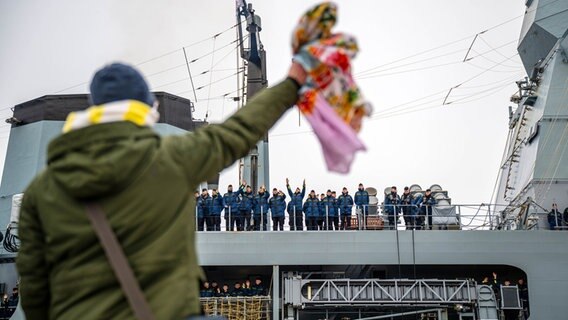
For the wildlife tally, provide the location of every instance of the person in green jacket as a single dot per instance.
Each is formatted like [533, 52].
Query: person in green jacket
[110, 155]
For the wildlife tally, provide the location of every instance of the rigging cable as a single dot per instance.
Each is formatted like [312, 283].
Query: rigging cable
[379, 73]
[402, 112]
[393, 110]
[499, 171]
[430, 107]
[552, 125]
[491, 47]
[186, 46]
[217, 81]
[157, 57]
[411, 63]
[562, 142]
[189, 72]
[210, 79]
[190, 62]
[383, 114]
[455, 41]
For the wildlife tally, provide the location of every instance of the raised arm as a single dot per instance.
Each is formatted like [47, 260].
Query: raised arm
[241, 189]
[290, 193]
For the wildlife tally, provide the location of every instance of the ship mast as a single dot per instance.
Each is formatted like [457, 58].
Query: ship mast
[254, 168]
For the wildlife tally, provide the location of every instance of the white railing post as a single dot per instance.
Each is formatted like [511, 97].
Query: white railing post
[459, 218]
[295, 218]
[230, 224]
[326, 217]
[395, 217]
[365, 213]
[426, 220]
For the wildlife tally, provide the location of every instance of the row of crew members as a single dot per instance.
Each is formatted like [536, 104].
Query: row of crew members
[332, 212]
[323, 213]
[415, 209]
[326, 212]
[245, 289]
[239, 206]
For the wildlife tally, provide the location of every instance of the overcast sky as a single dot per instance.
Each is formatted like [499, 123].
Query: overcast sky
[54, 47]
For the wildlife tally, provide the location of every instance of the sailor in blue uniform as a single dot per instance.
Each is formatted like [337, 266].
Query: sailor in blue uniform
[392, 207]
[261, 209]
[277, 205]
[425, 205]
[321, 217]
[555, 218]
[406, 201]
[245, 208]
[231, 204]
[362, 203]
[329, 205]
[345, 205]
[202, 210]
[215, 206]
[295, 214]
[311, 208]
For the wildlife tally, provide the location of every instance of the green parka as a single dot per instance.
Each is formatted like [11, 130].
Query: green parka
[145, 185]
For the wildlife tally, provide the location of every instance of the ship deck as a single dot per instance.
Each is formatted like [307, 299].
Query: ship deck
[541, 254]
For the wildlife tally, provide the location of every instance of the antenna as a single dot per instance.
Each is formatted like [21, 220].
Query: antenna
[190, 77]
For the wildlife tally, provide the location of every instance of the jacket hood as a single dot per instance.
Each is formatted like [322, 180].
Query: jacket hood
[102, 159]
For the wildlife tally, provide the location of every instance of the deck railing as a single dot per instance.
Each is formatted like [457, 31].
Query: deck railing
[363, 218]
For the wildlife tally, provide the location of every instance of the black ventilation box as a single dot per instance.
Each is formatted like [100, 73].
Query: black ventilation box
[510, 298]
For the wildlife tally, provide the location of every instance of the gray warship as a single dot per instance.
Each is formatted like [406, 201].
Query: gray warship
[370, 272]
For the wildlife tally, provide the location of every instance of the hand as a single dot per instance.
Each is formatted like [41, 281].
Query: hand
[287, 181]
[244, 183]
[304, 182]
[297, 73]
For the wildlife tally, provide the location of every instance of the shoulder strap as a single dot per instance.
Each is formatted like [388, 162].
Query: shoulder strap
[119, 264]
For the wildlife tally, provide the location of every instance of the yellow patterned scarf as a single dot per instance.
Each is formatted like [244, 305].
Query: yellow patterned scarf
[134, 111]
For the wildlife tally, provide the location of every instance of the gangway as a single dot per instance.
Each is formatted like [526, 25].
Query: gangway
[405, 294]
[373, 292]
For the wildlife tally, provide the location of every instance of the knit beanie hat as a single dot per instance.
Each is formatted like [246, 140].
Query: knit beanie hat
[117, 82]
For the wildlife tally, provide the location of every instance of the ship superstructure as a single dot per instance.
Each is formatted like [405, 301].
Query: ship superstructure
[534, 171]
